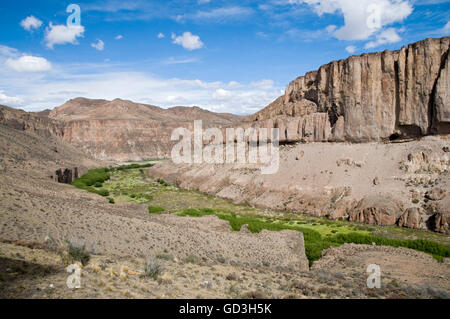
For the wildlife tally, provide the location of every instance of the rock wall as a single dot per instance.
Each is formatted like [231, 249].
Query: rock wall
[370, 97]
[23, 121]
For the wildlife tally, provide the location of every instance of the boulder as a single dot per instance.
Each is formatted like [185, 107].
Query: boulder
[440, 222]
[383, 211]
[411, 218]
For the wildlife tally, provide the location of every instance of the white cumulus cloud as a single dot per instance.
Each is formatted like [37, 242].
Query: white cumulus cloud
[30, 23]
[161, 35]
[385, 37]
[63, 34]
[362, 18]
[28, 63]
[99, 45]
[446, 28]
[188, 41]
[119, 37]
[10, 100]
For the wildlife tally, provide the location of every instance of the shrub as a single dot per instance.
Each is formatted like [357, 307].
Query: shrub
[102, 192]
[132, 166]
[78, 253]
[153, 268]
[162, 182]
[163, 256]
[155, 210]
[93, 178]
[111, 200]
[191, 260]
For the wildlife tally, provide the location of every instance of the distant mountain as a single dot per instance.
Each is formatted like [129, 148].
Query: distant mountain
[122, 130]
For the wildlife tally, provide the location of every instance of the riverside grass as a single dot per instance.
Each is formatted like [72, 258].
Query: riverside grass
[93, 180]
[126, 183]
[315, 243]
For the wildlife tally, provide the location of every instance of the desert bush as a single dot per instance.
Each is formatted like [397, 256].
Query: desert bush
[191, 260]
[153, 268]
[78, 253]
[111, 200]
[163, 256]
[255, 294]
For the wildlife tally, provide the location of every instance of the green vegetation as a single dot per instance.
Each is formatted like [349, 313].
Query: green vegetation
[130, 184]
[162, 182]
[132, 166]
[315, 243]
[155, 210]
[95, 178]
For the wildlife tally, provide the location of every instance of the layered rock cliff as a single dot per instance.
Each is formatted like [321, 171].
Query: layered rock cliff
[121, 130]
[24, 121]
[370, 97]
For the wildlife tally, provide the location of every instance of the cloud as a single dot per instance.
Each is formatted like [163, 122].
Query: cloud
[203, 1]
[30, 23]
[188, 41]
[62, 34]
[362, 18]
[217, 15]
[99, 45]
[39, 92]
[172, 60]
[10, 100]
[351, 49]
[28, 63]
[161, 35]
[119, 37]
[387, 36]
[446, 28]
[8, 51]
[263, 84]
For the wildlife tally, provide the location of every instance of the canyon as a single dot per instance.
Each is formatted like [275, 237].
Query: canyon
[364, 165]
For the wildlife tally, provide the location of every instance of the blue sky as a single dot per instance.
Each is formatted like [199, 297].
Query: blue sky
[225, 56]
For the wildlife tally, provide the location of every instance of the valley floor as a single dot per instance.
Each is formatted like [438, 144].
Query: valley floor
[200, 257]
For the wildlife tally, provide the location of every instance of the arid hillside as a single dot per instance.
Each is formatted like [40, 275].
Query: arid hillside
[121, 130]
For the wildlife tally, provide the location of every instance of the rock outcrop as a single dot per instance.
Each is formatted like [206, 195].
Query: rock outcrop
[371, 97]
[66, 175]
[29, 122]
[377, 211]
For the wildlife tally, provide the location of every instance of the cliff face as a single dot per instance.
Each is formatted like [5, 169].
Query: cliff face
[370, 97]
[23, 121]
[121, 130]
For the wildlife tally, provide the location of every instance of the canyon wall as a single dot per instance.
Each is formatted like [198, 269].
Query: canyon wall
[121, 130]
[371, 97]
